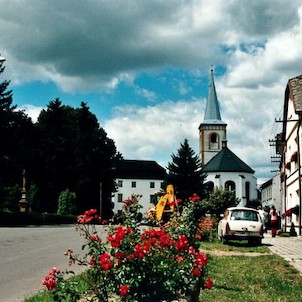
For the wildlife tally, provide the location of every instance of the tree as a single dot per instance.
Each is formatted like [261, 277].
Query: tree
[184, 172]
[67, 203]
[17, 139]
[219, 200]
[74, 153]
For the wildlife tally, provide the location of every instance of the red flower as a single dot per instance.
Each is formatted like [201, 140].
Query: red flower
[124, 290]
[142, 250]
[95, 238]
[50, 281]
[165, 240]
[194, 198]
[105, 262]
[120, 233]
[196, 272]
[183, 243]
[200, 259]
[89, 216]
[209, 283]
[120, 255]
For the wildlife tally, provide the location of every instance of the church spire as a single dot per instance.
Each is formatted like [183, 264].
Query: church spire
[212, 112]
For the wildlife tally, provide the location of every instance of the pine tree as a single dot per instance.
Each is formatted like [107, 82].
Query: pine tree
[184, 172]
[16, 140]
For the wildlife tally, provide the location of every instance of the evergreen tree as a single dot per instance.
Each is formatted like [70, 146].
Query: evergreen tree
[75, 153]
[16, 132]
[184, 172]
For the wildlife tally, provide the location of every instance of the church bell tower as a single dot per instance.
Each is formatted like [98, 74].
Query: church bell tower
[212, 131]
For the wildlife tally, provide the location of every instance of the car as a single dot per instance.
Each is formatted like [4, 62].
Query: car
[241, 223]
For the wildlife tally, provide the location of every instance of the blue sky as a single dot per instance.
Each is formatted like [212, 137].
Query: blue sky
[143, 67]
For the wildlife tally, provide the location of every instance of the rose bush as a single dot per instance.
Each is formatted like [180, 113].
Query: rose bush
[142, 264]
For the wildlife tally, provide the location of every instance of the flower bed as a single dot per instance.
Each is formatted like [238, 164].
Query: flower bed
[161, 263]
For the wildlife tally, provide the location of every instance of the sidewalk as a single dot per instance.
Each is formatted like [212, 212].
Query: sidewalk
[290, 248]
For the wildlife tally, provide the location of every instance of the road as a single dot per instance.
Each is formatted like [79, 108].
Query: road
[27, 254]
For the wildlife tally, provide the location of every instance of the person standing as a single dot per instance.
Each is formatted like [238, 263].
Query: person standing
[273, 220]
[263, 216]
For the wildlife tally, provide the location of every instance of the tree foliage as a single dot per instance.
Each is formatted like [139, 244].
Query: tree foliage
[17, 137]
[219, 200]
[184, 172]
[66, 148]
[67, 203]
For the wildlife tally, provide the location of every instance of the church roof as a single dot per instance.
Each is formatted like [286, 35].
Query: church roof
[212, 112]
[226, 161]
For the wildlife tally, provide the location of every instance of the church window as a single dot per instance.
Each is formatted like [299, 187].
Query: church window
[247, 191]
[230, 186]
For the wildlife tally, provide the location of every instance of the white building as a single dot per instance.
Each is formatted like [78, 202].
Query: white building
[141, 177]
[270, 193]
[222, 167]
[290, 145]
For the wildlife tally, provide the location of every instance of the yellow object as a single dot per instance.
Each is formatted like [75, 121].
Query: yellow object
[166, 203]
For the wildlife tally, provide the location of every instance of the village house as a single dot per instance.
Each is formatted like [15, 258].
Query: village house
[289, 144]
[141, 177]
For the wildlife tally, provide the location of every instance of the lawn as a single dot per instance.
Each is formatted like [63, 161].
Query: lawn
[254, 275]
[242, 273]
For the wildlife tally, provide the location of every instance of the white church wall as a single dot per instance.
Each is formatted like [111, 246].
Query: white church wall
[240, 179]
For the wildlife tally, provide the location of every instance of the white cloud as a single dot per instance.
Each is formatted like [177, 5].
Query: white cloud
[99, 45]
[32, 111]
[155, 131]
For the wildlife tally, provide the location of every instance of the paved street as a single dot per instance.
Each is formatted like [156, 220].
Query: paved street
[27, 255]
[290, 248]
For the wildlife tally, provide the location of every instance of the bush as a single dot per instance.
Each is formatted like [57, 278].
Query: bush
[67, 203]
[155, 264]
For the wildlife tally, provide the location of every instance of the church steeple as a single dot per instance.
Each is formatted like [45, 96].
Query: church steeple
[212, 112]
[212, 131]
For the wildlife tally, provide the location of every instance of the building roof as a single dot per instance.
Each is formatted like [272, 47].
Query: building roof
[139, 169]
[266, 184]
[226, 161]
[212, 112]
[295, 86]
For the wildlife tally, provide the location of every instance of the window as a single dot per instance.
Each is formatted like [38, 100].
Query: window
[120, 198]
[247, 191]
[214, 141]
[152, 185]
[133, 184]
[230, 186]
[213, 138]
[120, 183]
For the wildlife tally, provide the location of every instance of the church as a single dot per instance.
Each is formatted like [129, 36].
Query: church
[223, 168]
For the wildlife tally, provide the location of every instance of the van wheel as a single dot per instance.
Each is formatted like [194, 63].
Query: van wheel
[224, 240]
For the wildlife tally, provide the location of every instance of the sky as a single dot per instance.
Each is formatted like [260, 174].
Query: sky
[143, 68]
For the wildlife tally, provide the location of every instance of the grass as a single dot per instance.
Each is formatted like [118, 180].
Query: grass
[264, 278]
[244, 278]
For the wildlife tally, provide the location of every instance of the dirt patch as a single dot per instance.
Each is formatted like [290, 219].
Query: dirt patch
[234, 253]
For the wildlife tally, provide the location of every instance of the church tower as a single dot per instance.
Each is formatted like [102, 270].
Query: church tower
[212, 131]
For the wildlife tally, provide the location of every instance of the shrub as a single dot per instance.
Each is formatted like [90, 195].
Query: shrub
[134, 264]
[67, 203]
